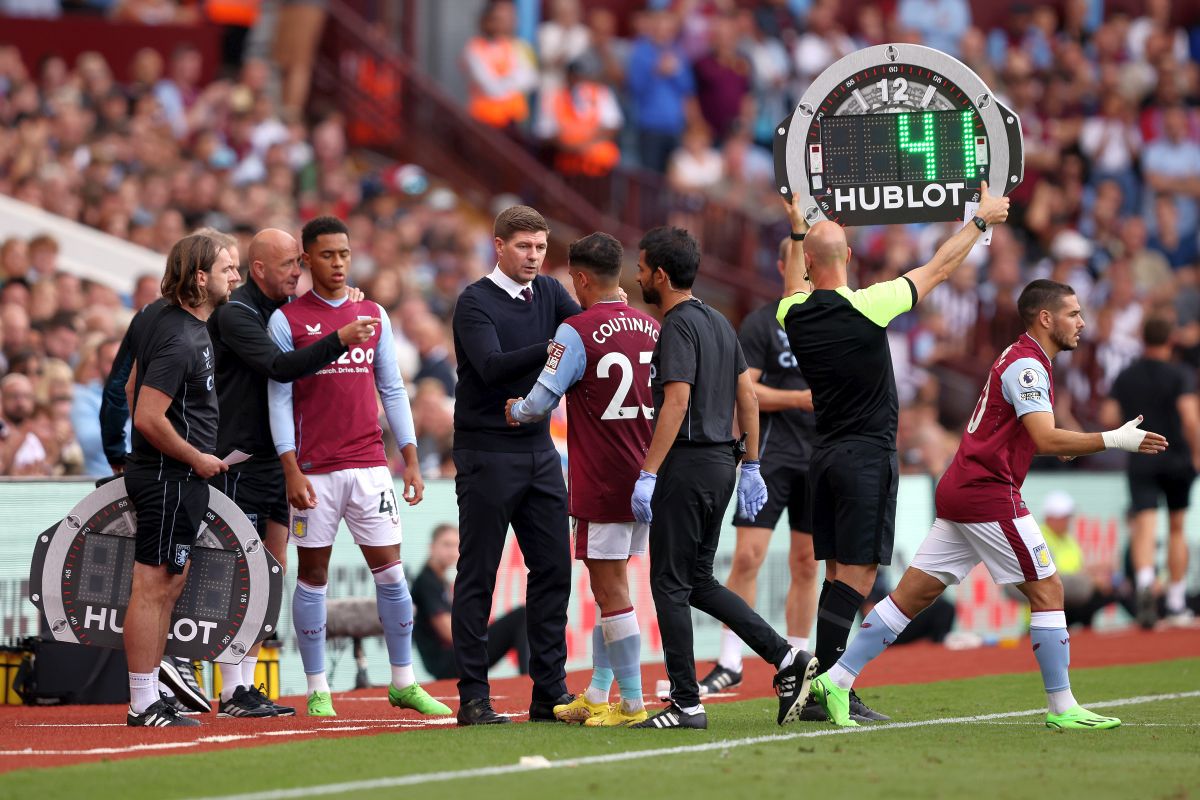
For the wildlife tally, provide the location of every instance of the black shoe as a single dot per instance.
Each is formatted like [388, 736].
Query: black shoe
[1147, 608]
[179, 676]
[159, 715]
[170, 700]
[719, 679]
[245, 704]
[479, 712]
[258, 694]
[861, 712]
[543, 710]
[673, 717]
[791, 684]
[811, 711]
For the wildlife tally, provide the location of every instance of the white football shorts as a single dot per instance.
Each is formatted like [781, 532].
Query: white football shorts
[1012, 550]
[364, 497]
[609, 541]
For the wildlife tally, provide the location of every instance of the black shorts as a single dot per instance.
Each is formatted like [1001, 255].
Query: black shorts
[787, 487]
[261, 494]
[1174, 483]
[169, 515]
[853, 489]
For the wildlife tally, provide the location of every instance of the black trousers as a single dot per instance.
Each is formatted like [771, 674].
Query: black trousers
[527, 491]
[505, 634]
[691, 495]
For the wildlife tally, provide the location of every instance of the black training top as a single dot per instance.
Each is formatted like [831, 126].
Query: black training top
[784, 437]
[501, 342]
[246, 357]
[697, 346]
[431, 596]
[114, 408]
[176, 358]
[839, 337]
[1152, 388]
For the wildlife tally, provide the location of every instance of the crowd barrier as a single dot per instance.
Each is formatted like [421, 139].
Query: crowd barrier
[28, 507]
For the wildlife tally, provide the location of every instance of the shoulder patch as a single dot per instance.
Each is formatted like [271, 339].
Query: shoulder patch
[555, 352]
[1028, 377]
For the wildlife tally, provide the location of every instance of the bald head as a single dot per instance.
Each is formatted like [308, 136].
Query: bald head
[275, 263]
[18, 398]
[826, 254]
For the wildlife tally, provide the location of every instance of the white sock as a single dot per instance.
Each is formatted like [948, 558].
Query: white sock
[403, 676]
[1145, 578]
[231, 679]
[595, 696]
[787, 659]
[731, 651]
[317, 682]
[841, 677]
[1176, 597]
[798, 642]
[143, 691]
[248, 665]
[1060, 701]
[631, 705]
[690, 710]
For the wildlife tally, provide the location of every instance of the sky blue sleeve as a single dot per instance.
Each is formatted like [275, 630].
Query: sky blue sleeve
[279, 395]
[564, 367]
[391, 387]
[1026, 386]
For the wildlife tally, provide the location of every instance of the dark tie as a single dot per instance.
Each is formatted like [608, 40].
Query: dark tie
[527, 294]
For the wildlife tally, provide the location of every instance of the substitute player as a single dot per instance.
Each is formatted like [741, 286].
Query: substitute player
[981, 516]
[327, 434]
[786, 428]
[600, 360]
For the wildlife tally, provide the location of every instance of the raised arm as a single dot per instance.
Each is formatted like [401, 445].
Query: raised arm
[242, 329]
[795, 275]
[993, 211]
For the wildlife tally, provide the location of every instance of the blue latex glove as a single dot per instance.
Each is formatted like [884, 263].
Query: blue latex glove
[751, 491]
[643, 490]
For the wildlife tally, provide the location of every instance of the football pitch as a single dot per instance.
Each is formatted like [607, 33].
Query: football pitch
[972, 737]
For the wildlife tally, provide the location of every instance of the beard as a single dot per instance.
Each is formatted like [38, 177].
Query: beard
[651, 296]
[1063, 341]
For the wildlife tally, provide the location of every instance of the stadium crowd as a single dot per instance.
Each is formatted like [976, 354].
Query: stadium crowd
[1110, 201]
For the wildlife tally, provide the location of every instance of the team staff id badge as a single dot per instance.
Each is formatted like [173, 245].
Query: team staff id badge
[894, 134]
[82, 572]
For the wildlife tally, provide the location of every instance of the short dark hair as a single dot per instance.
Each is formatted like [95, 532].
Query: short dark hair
[1041, 294]
[675, 252]
[1157, 331]
[518, 218]
[316, 228]
[441, 530]
[597, 252]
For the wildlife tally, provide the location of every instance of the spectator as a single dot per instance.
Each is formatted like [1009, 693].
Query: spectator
[93, 371]
[25, 449]
[1087, 588]
[561, 40]
[723, 81]
[662, 88]
[582, 120]
[821, 45]
[1172, 165]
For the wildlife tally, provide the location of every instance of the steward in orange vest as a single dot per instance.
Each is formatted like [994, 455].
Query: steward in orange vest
[582, 119]
[501, 69]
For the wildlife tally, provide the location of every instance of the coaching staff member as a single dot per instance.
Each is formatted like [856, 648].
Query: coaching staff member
[697, 376]
[246, 357]
[174, 437]
[839, 336]
[503, 324]
[1165, 394]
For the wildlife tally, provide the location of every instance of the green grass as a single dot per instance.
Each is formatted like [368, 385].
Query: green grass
[1155, 755]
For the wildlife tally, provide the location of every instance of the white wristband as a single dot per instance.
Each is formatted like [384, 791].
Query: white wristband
[1128, 437]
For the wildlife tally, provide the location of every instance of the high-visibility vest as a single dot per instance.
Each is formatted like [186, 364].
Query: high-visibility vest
[500, 56]
[243, 13]
[577, 126]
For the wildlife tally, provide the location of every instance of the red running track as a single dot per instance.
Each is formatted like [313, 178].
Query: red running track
[53, 736]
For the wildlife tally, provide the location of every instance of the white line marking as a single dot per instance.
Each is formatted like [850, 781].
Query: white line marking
[71, 725]
[632, 755]
[99, 751]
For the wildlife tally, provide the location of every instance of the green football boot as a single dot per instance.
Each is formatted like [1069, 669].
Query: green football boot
[418, 700]
[320, 704]
[834, 700]
[1078, 718]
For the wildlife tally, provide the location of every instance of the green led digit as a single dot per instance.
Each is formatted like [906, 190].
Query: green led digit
[968, 140]
[926, 147]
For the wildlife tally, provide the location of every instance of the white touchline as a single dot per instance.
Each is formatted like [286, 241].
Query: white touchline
[632, 755]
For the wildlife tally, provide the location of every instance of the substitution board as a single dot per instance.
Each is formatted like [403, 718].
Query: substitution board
[894, 134]
[82, 572]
